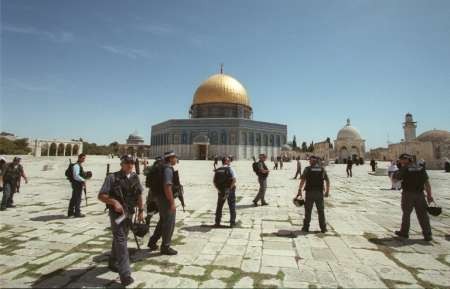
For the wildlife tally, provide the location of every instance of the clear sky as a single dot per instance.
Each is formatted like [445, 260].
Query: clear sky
[101, 69]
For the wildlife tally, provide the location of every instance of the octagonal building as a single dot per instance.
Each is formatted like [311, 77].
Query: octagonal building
[220, 124]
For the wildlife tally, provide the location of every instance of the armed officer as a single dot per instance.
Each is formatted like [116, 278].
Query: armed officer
[12, 174]
[262, 173]
[122, 193]
[414, 181]
[152, 207]
[165, 200]
[312, 180]
[225, 183]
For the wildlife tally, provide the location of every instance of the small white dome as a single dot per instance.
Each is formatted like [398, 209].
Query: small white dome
[348, 132]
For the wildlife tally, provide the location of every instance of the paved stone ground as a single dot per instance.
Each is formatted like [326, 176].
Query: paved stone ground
[40, 247]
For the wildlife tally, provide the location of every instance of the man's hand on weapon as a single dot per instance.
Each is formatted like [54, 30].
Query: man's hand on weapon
[118, 208]
[141, 216]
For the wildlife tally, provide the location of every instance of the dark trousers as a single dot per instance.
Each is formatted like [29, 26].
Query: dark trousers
[166, 224]
[298, 173]
[9, 188]
[373, 168]
[75, 201]
[262, 190]
[349, 171]
[415, 201]
[230, 196]
[119, 257]
[311, 198]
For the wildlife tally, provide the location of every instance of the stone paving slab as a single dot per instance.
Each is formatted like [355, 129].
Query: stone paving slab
[41, 247]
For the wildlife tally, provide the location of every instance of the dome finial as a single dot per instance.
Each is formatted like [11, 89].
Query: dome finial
[348, 121]
[221, 68]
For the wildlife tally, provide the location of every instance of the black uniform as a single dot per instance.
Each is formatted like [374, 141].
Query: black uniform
[127, 190]
[349, 168]
[314, 187]
[11, 177]
[413, 180]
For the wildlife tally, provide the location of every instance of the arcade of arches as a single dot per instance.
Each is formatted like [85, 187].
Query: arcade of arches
[57, 148]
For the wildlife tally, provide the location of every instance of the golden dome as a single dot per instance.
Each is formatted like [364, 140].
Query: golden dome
[221, 88]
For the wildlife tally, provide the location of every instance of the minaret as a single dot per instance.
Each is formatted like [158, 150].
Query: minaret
[409, 127]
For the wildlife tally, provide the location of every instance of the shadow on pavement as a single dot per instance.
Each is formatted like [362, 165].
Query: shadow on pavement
[203, 228]
[245, 206]
[398, 242]
[49, 218]
[88, 277]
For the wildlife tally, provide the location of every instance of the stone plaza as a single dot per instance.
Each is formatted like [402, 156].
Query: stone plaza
[41, 247]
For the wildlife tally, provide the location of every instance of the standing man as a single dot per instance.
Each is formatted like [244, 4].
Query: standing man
[414, 181]
[298, 172]
[262, 173]
[12, 174]
[78, 183]
[349, 167]
[225, 183]
[373, 164]
[166, 205]
[2, 170]
[312, 180]
[122, 193]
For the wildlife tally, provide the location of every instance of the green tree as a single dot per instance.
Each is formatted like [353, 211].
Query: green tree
[14, 147]
[304, 147]
[294, 143]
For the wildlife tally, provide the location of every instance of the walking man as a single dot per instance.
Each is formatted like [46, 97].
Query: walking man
[225, 183]
[164, 197]
[414, 181]
[298, 172]
[78, 182]
[349, 167]
[262, 173]
[312, 181]
[122, 193]
[12, 174]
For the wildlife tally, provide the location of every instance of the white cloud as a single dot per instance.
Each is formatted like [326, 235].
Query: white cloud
[59, 37]
[132, 53]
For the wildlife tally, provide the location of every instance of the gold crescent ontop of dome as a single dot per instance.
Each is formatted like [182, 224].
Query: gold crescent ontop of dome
[221, 88]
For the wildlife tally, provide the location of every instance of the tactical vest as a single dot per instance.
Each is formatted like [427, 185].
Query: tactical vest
[12, 172]
[128, 188]
[314, 179]
[414, 178]
[264, 175]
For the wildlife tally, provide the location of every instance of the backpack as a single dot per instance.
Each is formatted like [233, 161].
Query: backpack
[255, 168]
[153, 178]
[69, 172]
[223, 177]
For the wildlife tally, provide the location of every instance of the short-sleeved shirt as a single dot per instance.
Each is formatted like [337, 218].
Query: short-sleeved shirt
[413, 178]
[232, 172]
[262, 166]
[12, 172]
[168, 175]
[109, 182]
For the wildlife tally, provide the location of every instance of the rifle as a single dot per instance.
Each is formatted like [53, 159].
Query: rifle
[85, 195]
[122, 202]
[178, 189]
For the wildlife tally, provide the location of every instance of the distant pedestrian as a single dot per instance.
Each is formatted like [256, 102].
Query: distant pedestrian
[78, 182]
[298, 172]
[12, 174]
[262, 172]
[395, 184]
[447, 166]
[373, 164]
[225, 183]
[216, 162]
[349, 168]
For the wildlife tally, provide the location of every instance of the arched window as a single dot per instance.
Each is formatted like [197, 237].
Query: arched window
[214, 138]
[258, 139]
[243, 138]
[223, 137]
[278, 141]
[252, 138]
[184, 138]
[272, 140]
[266, 140]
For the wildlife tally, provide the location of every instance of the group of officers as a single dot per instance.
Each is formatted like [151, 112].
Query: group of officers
[122, 192]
